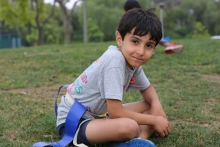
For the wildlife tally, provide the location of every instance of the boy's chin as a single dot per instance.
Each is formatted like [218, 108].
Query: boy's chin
[135, 66]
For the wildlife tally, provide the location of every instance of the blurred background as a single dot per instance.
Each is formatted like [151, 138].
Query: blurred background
[39, 22]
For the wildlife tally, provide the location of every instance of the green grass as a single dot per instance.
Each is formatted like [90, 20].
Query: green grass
[188, 85]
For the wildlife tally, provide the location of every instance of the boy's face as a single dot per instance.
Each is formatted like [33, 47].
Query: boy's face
[136, 50]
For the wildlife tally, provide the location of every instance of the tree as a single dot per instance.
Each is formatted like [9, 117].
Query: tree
[95, 34]
[211, 17]
[38, 5]
[19, 13]
[105, 14]
[185, 15]
[67, 19]
[15, 13]
[53, 31]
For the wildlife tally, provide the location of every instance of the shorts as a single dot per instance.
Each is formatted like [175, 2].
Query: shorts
[81, 137]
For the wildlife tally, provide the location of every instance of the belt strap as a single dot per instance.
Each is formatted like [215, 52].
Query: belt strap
[55, 103]
[69, 98]
[72, 121]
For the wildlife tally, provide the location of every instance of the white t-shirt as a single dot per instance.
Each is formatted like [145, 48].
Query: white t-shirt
[106, 78]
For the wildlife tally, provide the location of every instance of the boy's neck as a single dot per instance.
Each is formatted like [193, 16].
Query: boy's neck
[132, 68]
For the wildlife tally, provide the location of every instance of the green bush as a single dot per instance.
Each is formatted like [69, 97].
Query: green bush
[200, 31]
[172, 34]
[95, 35]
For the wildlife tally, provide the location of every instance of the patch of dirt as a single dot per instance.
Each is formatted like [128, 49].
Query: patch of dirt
[37, 92]
[43, 53]
[214, 78]
[211, 100]
[215, 125]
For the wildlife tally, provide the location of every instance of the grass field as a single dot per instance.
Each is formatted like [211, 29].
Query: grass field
[188, 85]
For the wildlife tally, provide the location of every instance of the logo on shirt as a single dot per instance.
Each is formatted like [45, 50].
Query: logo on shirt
[132, 81]
[77, 87]
[83, 77]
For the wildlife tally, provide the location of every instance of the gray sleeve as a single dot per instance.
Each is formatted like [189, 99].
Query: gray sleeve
[112, 83]
[141, 81]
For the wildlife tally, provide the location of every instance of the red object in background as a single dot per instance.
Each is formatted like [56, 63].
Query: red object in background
[174, 48]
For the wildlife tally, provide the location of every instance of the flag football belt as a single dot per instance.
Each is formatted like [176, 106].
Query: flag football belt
[72, 121]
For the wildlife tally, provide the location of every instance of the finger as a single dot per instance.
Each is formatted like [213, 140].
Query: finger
[162, 134]
[169, 128]
[166, 132]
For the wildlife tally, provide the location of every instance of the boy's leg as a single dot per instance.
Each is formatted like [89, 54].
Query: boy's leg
[141, 107]
[101, 131]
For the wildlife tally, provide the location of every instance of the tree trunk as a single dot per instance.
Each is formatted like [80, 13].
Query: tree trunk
[66, 23]
[68, 33]
[40, 36]
[40, 26]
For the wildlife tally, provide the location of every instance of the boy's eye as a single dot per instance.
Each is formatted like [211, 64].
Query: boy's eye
[135, 41]
[149, 46]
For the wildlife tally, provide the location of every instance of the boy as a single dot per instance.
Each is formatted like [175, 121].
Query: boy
[169, 47]
[101, 86]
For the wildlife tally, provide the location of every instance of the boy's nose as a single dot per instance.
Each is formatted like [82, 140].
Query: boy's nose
[140, 50]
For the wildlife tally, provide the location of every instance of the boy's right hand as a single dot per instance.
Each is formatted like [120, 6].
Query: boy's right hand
[162, 126]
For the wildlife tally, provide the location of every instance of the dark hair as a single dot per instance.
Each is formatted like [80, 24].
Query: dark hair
[144, 22]
[131, 4]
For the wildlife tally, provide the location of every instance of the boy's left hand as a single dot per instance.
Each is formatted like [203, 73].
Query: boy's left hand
[157, 111]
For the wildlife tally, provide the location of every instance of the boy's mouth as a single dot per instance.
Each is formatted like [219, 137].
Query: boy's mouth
[138, 59]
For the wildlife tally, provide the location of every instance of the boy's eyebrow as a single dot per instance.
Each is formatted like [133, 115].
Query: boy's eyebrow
[152, 42]
[137, 37]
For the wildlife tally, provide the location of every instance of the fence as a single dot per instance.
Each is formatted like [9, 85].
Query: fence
[10, 41]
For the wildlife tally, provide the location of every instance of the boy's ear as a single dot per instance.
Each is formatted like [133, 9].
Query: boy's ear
[118, 38]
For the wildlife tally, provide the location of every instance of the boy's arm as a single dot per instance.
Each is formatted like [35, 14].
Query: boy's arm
[151, 97]
[116, 110]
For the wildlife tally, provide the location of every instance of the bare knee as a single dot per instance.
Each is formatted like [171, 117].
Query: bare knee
[129, 128]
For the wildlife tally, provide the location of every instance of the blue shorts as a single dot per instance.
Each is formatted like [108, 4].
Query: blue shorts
[81, 137]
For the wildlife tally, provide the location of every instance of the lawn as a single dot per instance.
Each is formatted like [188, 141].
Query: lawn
[188, 85]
